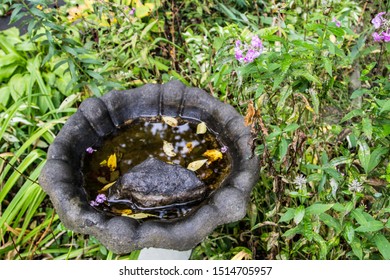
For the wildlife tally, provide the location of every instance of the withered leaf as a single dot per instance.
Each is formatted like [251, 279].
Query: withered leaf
[171, 121]
[201, 128]
[195, 165]
[212, 155]
[111, 162]
[168, 149]
[106, 187]
[123, 212]
[250, 114]
[139, 216]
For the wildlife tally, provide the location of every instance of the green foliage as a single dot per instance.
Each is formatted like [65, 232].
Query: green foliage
[321, 93]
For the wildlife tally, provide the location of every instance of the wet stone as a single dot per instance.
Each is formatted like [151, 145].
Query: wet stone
[154, 183]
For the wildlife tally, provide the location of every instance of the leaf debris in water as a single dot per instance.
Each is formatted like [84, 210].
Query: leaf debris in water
[195, 165]
[111, 162]
[168, 149]
[106, 187]
[212, 155]
[171, 121]
[201, 128]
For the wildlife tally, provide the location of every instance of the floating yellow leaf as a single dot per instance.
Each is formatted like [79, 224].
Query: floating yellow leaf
[168, 149]
[111, 162]
[103, 163]
[123, 212]
[189, 147]
[195, 165]
[171, 121]
[212, 155]
[139, 216]
[106, 187]
[201, 128]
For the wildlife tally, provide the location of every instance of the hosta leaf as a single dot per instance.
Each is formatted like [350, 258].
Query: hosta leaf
[195, 165]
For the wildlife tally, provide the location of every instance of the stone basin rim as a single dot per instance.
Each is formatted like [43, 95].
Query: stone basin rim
[99, 117]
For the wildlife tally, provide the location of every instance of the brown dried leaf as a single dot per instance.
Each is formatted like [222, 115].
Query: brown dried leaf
[250, 114]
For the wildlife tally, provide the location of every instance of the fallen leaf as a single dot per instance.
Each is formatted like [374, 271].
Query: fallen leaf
[168, 149]
[114, 175]
[139, 216]
[241, 255]
[201, 128]
[171, 121]
[102, 180]
[106, 187]
[212, 155]
[103, 163]
[189, 147]
[250, 113]
[111, 162]
[123, 212]
[195, 165]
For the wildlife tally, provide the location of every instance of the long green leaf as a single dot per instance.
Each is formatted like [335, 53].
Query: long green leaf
[383, 246]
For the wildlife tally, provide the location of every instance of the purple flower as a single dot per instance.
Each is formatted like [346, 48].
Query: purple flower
[378, 20]
[100, 198]
[256, 43]
[377, 37]
[93, 203]
[90, 150]
[224, 149]
[386, 36]
[251, 55]
[132, 11]
[247, 53]
[338, 23]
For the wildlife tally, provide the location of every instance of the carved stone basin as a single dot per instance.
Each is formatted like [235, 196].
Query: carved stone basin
[97, 118]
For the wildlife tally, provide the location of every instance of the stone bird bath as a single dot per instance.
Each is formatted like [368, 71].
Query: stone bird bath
[97, 118]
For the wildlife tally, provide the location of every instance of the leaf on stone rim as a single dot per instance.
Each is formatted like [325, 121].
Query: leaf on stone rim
[106, 187]
[111, 162]
[168, 149]
[201, 128]
[195, 165]
[212, 155]
[171, 121]
[139, 216]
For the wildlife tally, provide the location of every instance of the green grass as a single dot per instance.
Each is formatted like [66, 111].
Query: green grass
[315, 120]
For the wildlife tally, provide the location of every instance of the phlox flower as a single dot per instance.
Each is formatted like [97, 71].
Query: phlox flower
[378, 20]
[247, 53]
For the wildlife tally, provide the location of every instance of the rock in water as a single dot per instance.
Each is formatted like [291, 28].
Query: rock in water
[154, 183]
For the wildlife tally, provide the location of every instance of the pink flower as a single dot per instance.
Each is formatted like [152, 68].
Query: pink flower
[90, 150]
[338, 23]
[132, 11]
[377, 37]
[247, 53]
[386, 36]
[256, 43]
[378, 20]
